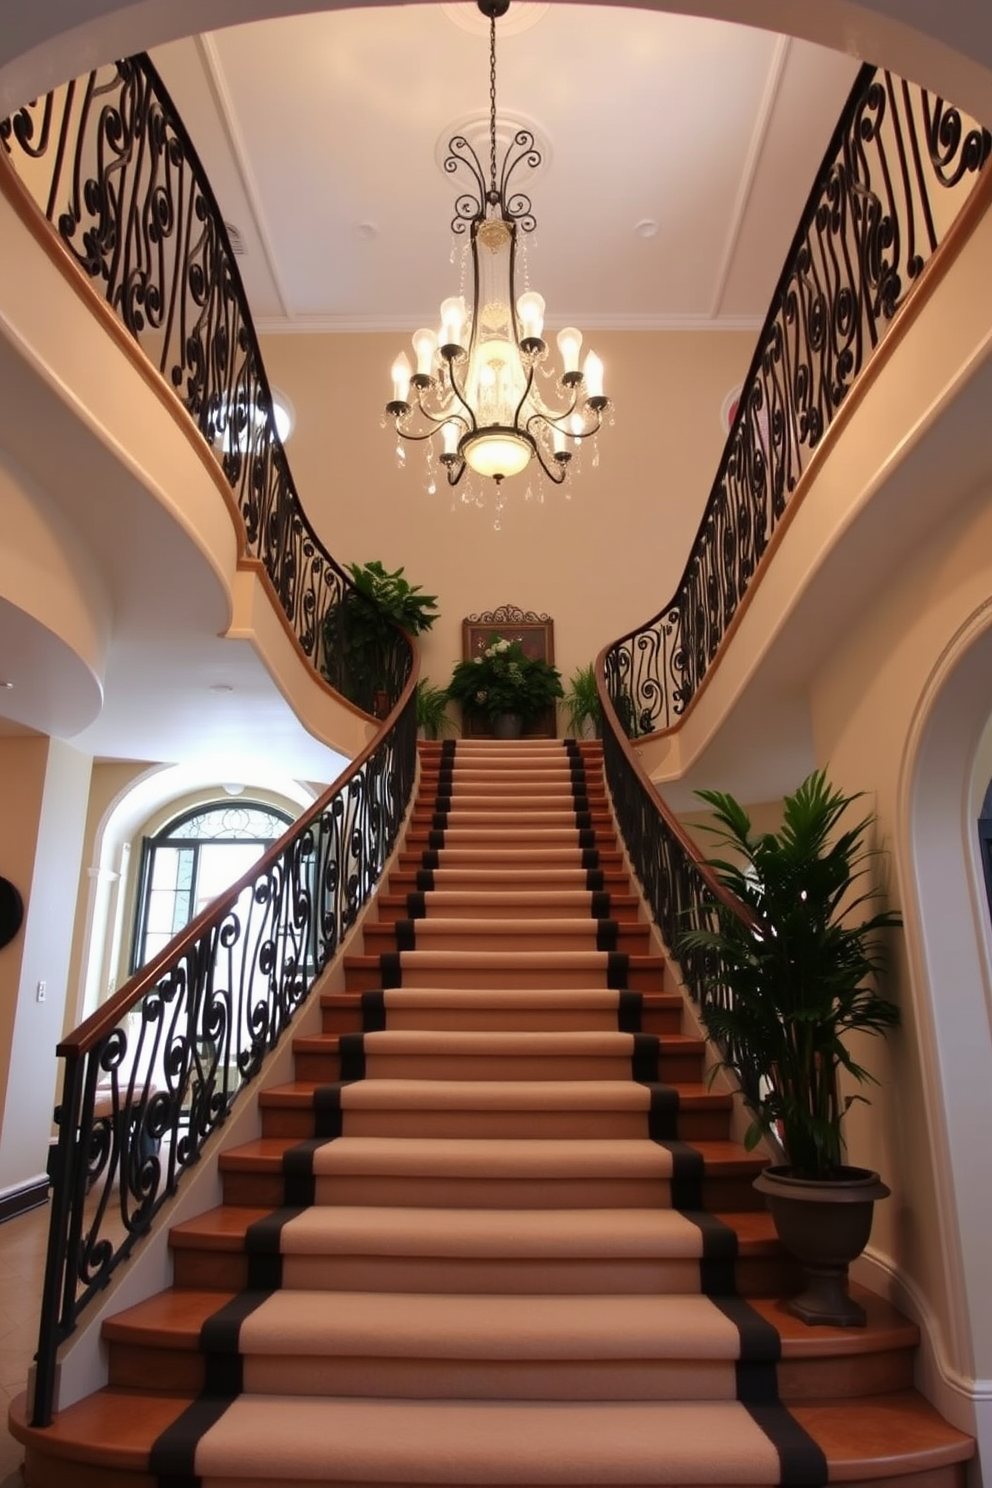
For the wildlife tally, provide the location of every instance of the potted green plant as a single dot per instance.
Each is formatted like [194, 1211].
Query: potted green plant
[505, 686]
[581, 704]
[359, 633]
[433, 719]
[790, 973]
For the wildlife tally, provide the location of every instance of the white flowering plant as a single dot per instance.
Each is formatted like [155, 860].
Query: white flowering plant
[504, 679]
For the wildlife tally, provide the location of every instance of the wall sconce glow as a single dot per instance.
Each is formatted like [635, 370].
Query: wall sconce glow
[475, 383]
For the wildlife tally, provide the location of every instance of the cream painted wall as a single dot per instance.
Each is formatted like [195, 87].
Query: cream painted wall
[599, 555]
[927, 1130]
[52, 781]
[22, 784]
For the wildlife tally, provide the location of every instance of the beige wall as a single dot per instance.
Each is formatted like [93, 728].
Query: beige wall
[600, 555]
[872, 704]
[43, 789]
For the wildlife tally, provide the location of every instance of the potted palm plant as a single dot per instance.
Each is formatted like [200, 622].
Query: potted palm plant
[581, 703]
[433, 720]
[359, 633]
[505, 686]
[788, 974]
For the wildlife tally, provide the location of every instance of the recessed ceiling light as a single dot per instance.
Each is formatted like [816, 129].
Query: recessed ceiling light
[221, 687]
[6, 684]
[647, 228]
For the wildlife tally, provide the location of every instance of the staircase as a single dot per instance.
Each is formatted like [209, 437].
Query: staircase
[495, 1232]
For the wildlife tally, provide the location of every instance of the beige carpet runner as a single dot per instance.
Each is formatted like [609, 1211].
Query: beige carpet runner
[494, 1264]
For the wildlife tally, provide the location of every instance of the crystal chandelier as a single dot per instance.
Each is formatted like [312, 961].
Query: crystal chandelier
[474, 390]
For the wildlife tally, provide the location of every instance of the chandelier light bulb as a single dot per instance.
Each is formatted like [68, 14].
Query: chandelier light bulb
[452, 321]
[402, 372]
[424, 345]
[592, 371]
[569, 345]
[530, 309]
[449, 438]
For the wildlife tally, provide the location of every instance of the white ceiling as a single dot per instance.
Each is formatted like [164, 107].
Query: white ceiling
[323, 135]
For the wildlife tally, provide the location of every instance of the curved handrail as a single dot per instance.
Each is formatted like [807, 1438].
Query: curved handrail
[154, 1072]
[112, 167]
[869, 227]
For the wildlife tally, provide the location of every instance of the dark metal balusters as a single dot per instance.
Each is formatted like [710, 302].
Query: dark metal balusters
[868, 230]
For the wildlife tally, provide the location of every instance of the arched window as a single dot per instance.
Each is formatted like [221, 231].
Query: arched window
[191, 860]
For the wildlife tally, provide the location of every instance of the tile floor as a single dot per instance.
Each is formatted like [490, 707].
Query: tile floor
[22, 1263]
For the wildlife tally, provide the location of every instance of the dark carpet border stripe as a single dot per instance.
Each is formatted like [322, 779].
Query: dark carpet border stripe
[416, 905]
[172, 1458]
[802, 1463]
[406, 935]
[630, 1010]
[220, 1343]
[390, 970]
[263, 1247]
[425, 880]
[374, 1011]
[595, 879]
[607, 935]
[299, 1188]
[590, 859]
[600, 904]
[617, 970]
[351, 1047]
[644, 1060]
[663, 1117]
[760, 1351]
[429, 861]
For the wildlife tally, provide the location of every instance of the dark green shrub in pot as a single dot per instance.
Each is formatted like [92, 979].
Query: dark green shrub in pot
[361, 647]
[504, 681]
[793, 976]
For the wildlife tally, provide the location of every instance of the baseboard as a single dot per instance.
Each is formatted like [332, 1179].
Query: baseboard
[24, 1196]
[960, 1397]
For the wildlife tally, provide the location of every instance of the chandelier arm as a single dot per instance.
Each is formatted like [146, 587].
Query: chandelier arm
[468, 208]
[556, 472]
[523, 399]
[455, 470]
[472, 424]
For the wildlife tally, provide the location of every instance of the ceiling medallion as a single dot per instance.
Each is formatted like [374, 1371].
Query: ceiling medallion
[473, 397]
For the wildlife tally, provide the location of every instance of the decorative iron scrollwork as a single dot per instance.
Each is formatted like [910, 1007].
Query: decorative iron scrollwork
[868, 231]
[133, 206]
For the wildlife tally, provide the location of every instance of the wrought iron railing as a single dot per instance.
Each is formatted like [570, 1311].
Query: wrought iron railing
[152, 1074]
[108, 160]
[681, 891]
[899, 166]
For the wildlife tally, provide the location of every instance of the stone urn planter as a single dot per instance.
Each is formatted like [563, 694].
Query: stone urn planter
[825, 1223]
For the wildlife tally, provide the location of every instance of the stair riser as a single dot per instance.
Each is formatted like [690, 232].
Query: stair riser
[674, 1068]
[266, 1190]
[494, 1193]
[144, 1367]
[704, 1125]
[495, 978]
[224, 1271]
[624, 914]
[429, 1066]
[523, 881]
[631, 939]
[495, 1020]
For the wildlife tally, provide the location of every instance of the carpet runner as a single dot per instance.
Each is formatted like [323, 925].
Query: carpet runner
[494, 1233]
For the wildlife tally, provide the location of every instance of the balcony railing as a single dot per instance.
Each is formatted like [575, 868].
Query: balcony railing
[899, 168]
[109, 162]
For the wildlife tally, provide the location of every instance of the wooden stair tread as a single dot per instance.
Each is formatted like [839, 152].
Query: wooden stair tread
[878, 1437]
[300, 1093]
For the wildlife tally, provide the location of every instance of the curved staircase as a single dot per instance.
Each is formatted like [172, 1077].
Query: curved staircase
[495, 1232]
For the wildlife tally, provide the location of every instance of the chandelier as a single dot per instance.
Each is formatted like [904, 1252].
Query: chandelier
[474, 392]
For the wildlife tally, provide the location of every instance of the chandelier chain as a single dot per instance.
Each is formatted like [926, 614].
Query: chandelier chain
[492, 107]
